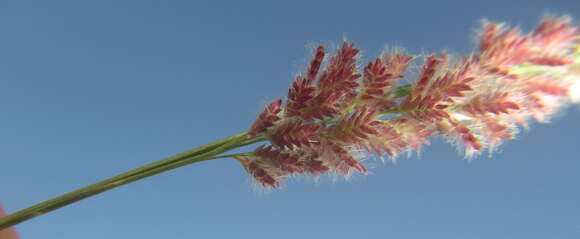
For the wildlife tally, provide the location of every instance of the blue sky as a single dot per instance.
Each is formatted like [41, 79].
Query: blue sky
[89, 89]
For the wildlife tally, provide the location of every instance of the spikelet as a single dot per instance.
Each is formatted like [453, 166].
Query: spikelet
[266, 119]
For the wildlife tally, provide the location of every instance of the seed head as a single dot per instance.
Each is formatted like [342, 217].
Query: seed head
[477, 101]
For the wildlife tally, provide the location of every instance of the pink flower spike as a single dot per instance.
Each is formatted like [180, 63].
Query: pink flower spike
[315, 64]
[335, 87]
[554, 33]
[478, 101]
[380, 77]
[356, 127]
[342, 161]
[266, 119]
[293, 134]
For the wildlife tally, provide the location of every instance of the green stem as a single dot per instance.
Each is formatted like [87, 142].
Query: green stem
[231, 155]
[199, 154]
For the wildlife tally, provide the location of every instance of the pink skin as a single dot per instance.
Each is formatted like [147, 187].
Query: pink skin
[9, 233]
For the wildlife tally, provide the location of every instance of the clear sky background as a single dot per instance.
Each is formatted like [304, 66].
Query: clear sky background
[89, 89]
